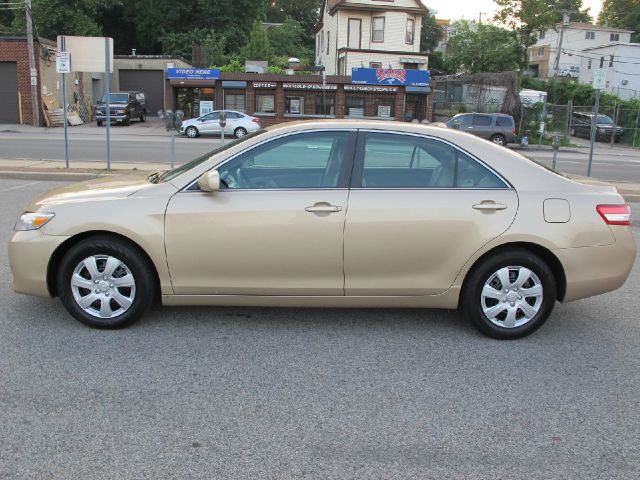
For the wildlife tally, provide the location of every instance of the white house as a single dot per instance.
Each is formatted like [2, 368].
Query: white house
[577, 37]
[370, 33]
[622, 63]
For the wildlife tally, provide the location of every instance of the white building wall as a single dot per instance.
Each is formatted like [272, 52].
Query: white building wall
[574, 42]
[623, 78]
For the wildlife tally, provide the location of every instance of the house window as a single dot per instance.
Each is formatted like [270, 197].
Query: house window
[341, 66]
[614, 37]
[541, 36]
[540, 51]
[589, 65]
[265, 103]
[234, 101]
[321, 42]
[411, 28]
[318, 45]
[377, 29]
[354, 33]
[601, 62]
[610, 61]
[294, 105]
[375, 64]
[328, 41]
[590, 35]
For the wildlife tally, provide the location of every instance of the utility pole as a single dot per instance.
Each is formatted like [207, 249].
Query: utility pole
[35, 112]
[566, 18]
[480, 17]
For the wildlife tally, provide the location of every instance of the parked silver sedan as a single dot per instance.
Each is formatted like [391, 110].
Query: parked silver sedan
[238, 124]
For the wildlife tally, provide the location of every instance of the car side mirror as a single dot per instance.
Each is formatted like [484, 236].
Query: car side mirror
[209, 181]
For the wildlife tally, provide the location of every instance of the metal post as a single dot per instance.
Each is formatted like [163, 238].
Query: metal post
[567, 129]
[222, 135]
[64, 108]
[542, 121]
[107, 86]
[635, 131]
[593, 132]
[616, 111]
[35, 111]
[173, 148]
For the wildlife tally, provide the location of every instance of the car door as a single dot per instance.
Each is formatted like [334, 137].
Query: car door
[275, 227]
[419, 208]
[482, 125]
[210, 123]
[233, 120]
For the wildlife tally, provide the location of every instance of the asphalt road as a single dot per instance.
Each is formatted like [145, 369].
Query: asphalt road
[134, 144]
[328, 394]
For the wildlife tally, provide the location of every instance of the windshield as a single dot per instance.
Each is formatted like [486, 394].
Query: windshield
[169, 175]
[604, 120]
[122, 98]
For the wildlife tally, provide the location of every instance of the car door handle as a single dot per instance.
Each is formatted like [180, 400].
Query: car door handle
[490, 206]
[323, 208]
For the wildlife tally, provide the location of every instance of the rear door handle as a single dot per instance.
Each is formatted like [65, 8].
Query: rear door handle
[323, 208]
[490, 206]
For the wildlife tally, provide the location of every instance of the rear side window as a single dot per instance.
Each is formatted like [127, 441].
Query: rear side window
[504, 122]
[406, 161]
[482, 120]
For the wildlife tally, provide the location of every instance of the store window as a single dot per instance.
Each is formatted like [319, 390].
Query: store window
[325, 104]
[266, 103]
[235, 100]
[354, 106]
[294, 105]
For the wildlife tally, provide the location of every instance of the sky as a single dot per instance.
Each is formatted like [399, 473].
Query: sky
[470, 9]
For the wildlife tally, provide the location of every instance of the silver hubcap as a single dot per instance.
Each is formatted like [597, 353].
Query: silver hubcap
[498, 140]
[103, 286]
[191, 132]
[511, 297]
[240, 133]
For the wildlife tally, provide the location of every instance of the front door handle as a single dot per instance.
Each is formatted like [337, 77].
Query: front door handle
[323, 208]
[490, 206]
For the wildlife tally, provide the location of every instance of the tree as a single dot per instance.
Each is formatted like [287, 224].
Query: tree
[304, 11]
[430, 34]
[474, 48]
[289, 41]
[622, 14]
[532, 16]
[258, 46]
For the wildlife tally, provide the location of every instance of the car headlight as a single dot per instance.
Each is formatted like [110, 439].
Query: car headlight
[32, 221]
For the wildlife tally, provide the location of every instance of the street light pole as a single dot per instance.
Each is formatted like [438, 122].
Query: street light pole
[566, 18]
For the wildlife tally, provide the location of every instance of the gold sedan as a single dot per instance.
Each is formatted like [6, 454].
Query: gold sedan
[331, 214]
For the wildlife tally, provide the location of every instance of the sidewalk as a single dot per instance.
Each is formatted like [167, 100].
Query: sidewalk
[152, 127]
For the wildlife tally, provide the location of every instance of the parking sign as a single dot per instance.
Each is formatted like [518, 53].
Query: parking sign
[599, 79]
[63, 62]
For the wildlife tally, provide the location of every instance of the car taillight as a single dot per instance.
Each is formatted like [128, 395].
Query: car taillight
[615, 214]
[255, 120]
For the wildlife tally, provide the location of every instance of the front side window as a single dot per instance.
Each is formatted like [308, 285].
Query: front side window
[411, 27]
[307, 160]
[377, 29]
[403, 161]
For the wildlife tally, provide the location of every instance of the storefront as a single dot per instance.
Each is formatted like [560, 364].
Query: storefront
[382, 95]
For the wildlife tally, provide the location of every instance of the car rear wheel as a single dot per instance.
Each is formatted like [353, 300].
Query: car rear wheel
[143, 117]
[192, 132]
[509, 295]
[99, 122]
[240, 132]
[499, 140]
[104, 282]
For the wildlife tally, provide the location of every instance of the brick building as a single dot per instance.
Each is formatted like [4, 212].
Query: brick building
[281, 98]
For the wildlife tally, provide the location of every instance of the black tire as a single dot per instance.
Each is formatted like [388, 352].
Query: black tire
[99, 122]
[499, 140]
[191, 132]
[135, 261]
[240, 132]
[143, 117]
[483, 272]
[127, 121]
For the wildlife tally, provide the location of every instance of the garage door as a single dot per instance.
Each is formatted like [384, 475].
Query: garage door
[9, 93]
[151, 82]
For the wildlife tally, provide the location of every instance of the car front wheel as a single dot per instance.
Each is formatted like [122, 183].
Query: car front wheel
[105, 282]
[509, 295]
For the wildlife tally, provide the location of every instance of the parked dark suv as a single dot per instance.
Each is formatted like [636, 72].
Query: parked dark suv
[497, 127]
[124, 106]
[581, 127]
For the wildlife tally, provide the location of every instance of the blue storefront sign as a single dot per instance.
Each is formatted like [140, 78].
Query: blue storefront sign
[382, 76]
[193, 73]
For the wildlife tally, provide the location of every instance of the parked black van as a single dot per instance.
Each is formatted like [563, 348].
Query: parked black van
[124, 107]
